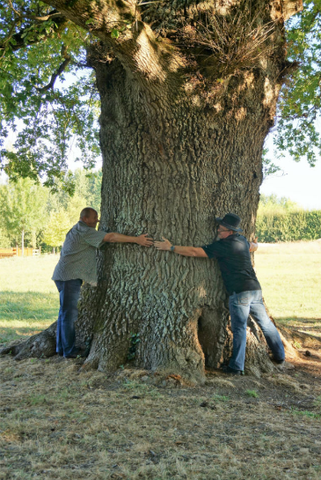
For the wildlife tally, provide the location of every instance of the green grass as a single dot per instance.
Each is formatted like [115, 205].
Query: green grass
[306, 413]
[290, 276]
[28, 274]
[29, 299]
[252, 393]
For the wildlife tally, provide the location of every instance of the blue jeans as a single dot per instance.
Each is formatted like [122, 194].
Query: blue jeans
[242, 305]
[69, 292]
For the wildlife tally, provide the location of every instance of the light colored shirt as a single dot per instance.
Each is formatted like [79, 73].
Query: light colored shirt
[78, 254]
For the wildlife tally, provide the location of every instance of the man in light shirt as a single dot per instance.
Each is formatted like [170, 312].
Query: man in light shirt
[77, 264]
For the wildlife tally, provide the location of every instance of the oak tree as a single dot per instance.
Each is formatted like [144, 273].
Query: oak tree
[188, 92]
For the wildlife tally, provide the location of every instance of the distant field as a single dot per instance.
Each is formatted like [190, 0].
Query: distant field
[290, 275]
[29, 299]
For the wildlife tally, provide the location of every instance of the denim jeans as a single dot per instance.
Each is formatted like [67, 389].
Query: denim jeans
[242, 305]
[69, 292]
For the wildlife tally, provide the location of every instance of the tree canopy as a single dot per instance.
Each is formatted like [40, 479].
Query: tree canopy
[46, 111]
[48, 96]
[298, 125]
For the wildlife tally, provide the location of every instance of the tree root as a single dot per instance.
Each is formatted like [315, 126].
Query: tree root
[41, 345]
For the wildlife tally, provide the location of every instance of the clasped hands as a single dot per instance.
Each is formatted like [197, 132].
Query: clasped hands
[146, 241]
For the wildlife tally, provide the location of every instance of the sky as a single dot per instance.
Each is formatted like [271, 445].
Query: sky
[298, 181]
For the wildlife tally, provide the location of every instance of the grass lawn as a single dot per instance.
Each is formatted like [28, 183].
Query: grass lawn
[29, 299]
[290, 276]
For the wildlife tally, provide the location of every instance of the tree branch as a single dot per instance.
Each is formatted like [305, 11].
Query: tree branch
[58, 72]
[18, 40]
[97, 17]
[29, 16]
[118, 25]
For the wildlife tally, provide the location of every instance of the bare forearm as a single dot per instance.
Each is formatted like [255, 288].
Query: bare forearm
[119, 238]
[185, 251]
[142, 240]
[189, 251]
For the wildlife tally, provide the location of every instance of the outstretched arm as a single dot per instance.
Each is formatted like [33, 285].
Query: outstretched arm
[185, 251]
[142, 240]
[192, 251]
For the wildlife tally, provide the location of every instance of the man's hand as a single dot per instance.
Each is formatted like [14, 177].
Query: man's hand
[144, 240]
[254, 245]
[165, 245]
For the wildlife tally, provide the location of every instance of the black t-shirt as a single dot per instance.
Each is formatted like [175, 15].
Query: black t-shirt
[234, 259]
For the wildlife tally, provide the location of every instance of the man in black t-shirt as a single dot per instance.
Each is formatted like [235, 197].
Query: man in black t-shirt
[232, 252]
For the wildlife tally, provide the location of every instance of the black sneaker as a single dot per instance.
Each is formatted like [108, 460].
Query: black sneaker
[77, 352]
[278, 361]
[72, 355]
[231, 371]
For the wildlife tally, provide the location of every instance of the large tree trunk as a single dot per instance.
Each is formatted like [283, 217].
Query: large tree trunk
[169, 169]
[182, 133]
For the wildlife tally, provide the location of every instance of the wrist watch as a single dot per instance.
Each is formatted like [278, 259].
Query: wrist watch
[172, 248]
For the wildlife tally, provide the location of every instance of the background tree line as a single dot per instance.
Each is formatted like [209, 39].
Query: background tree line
[282, 220]
[35, 216]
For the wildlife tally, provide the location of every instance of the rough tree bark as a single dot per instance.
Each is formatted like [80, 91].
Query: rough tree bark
[186, 104]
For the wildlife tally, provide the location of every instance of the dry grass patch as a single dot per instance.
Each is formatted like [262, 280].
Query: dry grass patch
[58, 421]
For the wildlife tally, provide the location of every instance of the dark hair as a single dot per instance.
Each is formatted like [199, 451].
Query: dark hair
[85, 213]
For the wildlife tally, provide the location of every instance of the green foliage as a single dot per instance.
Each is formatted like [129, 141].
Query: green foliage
[23, 207]
[33, 55]
[268, 166]
[65, 209]
[252, 393]
[300, 101]
[134, 340]
[282, 220]
[306, 413]
[220, 398]
[88, 186]
[317, 403]
[275, 204]
[4, 238]
[39, 46]
[297, 345]
[55, 232]
[287, 227]
[42, 213]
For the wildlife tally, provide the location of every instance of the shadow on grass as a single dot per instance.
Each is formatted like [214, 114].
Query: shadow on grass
[308, 323]
[26, 313]
[8, 335]
[307, 326]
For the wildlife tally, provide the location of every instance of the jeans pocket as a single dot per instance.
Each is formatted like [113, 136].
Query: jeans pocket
[243, 298]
